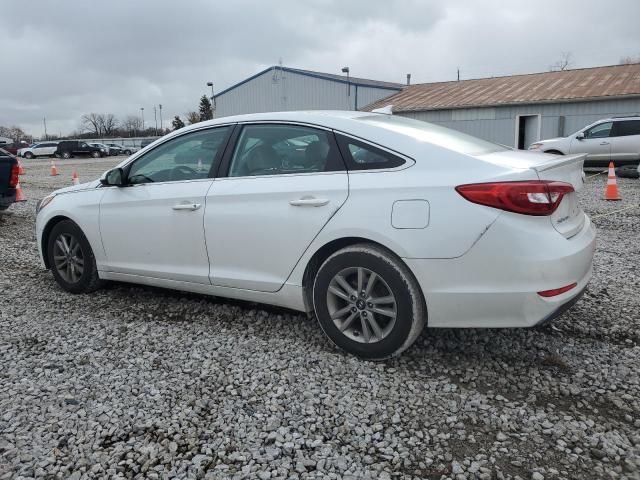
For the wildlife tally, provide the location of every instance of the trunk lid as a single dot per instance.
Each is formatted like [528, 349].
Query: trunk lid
[568, 219]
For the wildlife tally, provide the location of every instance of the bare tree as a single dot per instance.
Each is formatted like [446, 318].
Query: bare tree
[131, 124]
[630, 60]
[91, 122]
[14, 132]
[192, 117]
[564, 63]
[108, 124]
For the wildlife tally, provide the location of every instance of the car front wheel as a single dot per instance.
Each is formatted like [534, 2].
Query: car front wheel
[368, 302]
[71, 258]
[28, 155]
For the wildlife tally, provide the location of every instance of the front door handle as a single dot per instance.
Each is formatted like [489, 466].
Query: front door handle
[309, 202]
[604, 143]
[187, 206]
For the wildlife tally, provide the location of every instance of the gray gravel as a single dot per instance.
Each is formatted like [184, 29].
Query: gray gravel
[136, 382]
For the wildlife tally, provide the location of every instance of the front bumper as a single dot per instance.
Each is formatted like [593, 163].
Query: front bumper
[495, 284]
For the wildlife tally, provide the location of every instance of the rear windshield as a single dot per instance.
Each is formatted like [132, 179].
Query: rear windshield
[436, 134]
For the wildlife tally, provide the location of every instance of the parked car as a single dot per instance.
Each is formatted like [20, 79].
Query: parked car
[147, 141]
[73, 148]
[115, 149]
[103, 148]
[13, 148]
[382, 224]
[42, 149]
[9, 172]
[614, 139]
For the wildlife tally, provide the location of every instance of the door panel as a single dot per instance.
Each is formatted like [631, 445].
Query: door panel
[595, 148]
[257, 228]
[156, 230]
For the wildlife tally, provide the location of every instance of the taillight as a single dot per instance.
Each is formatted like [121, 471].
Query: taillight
[15, 176]
[534, 197]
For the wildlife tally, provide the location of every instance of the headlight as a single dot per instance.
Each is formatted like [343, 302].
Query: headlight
[44, 202]
[535, 146]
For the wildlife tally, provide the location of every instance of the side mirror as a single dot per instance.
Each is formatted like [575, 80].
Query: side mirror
[580, 136]
[113, 178]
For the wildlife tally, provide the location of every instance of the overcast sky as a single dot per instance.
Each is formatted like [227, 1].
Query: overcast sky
[63, 59]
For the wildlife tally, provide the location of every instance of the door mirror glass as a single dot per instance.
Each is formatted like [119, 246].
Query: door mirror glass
[580, 136]
[113, 178]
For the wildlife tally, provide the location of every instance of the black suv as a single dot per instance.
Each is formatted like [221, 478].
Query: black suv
[72, 148]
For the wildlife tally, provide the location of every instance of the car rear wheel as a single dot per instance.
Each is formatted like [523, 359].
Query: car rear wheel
[28, 155]
[95, 154]
[368, 302]
[127, 152]
[71, 259]
[66, 154]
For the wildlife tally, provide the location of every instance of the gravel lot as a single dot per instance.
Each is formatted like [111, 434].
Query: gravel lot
[137, 382]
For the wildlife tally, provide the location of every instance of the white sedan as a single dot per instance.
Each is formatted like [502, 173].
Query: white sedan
[378, 224]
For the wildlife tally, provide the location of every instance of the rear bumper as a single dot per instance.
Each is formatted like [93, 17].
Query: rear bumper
[495, 284]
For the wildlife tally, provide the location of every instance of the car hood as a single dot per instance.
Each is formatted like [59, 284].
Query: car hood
[78, 188]
[557, 139]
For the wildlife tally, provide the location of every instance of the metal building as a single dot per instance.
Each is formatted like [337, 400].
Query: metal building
[281, 88]
[521, 109]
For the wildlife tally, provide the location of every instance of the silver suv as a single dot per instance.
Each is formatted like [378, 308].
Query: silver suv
[614, 139]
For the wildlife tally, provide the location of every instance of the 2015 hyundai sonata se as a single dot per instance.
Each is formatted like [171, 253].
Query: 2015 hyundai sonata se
[377, 223]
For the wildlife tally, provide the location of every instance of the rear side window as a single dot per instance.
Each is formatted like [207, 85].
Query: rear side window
[626, 128]
[362, 156]
[280, 149]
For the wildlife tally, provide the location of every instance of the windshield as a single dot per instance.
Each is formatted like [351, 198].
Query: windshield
[436, 134]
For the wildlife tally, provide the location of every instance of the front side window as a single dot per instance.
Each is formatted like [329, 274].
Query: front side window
[599, 131]
[282, 149]
[187, 157]
[625, 128]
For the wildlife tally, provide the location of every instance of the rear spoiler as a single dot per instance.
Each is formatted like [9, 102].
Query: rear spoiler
[561, 161]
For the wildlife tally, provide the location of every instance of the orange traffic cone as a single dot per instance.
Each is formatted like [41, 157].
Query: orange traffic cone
[19, 194]
[54, 170]
[74, 178]
[611, 193]
[20, 167]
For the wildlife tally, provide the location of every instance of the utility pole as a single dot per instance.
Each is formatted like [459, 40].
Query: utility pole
[213, 99]
[346, 70]
[161, 129]
[155, 117]
[44, 120]
[458, 73]
[142, 110]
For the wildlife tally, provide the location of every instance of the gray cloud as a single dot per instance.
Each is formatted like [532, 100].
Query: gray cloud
[63, 59]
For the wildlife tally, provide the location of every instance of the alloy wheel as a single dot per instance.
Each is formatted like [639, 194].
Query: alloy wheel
[361, 304]
[68, 258]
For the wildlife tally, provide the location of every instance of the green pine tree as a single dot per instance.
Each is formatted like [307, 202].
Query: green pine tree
[177, 122]
[206, 112]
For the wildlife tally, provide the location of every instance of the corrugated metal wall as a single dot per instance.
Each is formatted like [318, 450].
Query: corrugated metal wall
[498, 124]
[278, 90]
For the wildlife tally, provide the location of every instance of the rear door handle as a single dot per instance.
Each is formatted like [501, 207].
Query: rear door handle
[187, 206]
[604, 143]
[309, 202]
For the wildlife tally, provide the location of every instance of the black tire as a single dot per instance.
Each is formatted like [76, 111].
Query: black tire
[627, 171]
[29, 155]
[88, 281]
[554, 152]
[410, 310]
[4, 207]
[96, 154]
[66, 155]
[127, 152]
